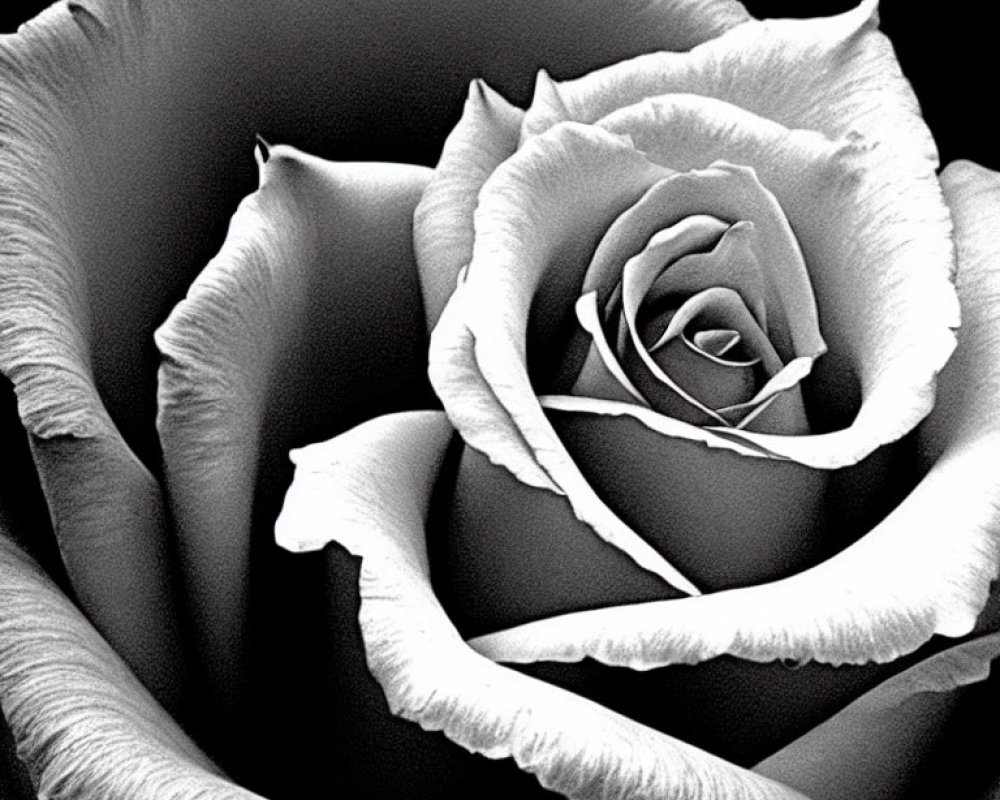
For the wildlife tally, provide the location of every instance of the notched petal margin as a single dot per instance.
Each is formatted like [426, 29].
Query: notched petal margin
[369, 490]
[84, 725]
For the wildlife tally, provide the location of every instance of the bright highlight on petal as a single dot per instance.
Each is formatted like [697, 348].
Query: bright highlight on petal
[369, 490]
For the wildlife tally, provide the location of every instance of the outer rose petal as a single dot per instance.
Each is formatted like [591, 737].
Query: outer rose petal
[85, 725]
[926, 569]
[489, 130]
[120, 160]
[369, 490]
[106, 507]
[853, 81]
[307, 320]
[873, 749]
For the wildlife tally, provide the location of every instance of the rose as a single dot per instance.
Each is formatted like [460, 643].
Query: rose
[23, 578]
[478, 367]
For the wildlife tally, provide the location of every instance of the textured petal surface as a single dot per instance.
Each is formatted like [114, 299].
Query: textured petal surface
[308, 318]
[484, 137]
[369, 490]
[124, 129]
[106, 507]
[925, 569]
[85, 726]
[489, 129]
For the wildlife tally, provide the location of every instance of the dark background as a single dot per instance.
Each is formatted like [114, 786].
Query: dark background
[946, 56]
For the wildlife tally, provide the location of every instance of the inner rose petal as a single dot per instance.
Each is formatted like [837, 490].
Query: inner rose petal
[733, 264]
[762, 234]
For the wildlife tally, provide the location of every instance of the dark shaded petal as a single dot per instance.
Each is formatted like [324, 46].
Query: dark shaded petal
[309, 318]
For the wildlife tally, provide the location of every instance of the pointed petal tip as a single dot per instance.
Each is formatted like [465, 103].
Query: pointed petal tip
[262, 149]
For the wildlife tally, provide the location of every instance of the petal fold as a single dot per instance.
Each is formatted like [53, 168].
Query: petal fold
[64, 332]
[482, 139]
[604, 176]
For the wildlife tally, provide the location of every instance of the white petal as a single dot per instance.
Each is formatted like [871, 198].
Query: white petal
[833, 75]
[925, 570]
[469, 400]
[601, 375]
[442, 226]
[68, 324]
[574, 746]
[307, 319]
[481, 383]
[84, 725]
[970, 384]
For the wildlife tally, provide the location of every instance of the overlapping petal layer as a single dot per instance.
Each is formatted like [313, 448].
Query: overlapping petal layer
[56, 160]
[489, 131]
[123, 128]
[603, 176]
[370, 490]
[528, 264]
[926, 569]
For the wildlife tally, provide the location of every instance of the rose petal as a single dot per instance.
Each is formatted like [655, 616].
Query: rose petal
[964, 411]
[601, 375]
[442, 223]
[875, 746]
[307, 320]
[734, 264]
[926, 569]
[105, 506]
[489, 128]
[477, 366]
[834, 75]
[85, 726]
[732, 193]
[574, 746]
[893, 324]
